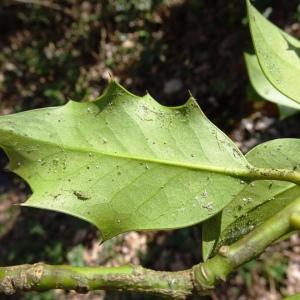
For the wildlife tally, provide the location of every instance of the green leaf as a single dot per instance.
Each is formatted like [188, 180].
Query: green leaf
[278, 54]
[263, 87]
[259, 200]
[124, 162]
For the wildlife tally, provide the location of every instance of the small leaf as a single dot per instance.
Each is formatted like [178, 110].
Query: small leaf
[259, 200]
[263, 87]
[278, 54]
[124, 162]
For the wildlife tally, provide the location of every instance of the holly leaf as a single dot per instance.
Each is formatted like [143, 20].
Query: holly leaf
[124, 162]
[259, 200]
[278, 54]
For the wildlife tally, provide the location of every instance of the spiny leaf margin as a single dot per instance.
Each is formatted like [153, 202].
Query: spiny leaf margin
[124, 162]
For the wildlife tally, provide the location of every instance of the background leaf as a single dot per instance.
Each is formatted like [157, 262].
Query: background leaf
[124, 162]
[278, 54]
[259, 200]
[263, 87]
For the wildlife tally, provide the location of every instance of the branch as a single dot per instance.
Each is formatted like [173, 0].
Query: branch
[41, 277]
[200, 280]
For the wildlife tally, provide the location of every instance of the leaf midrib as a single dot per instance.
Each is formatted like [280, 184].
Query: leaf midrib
[248, 172]
[235, 172]
[253, 209]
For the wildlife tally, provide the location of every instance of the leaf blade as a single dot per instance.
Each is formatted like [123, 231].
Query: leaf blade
[278, 54]
[124, 162]
[259, 200]
[263, 87]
